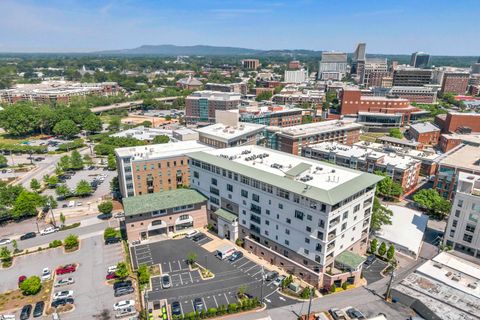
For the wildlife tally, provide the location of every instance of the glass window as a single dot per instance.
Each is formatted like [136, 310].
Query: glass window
[299, 215]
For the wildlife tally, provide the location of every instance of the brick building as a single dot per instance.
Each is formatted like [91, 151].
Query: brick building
[415, 94]
[458, 122]
[239, 87]
[455, 82]
[425, 133]
[294, 65]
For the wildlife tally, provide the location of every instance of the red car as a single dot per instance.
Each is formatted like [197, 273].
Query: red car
[21, 279]
[111, 276]
[66, 269]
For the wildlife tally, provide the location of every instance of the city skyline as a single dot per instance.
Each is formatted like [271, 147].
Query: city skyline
[86, 26]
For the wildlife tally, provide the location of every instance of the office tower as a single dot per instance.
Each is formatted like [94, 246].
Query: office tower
[333, 66]
[420, 60]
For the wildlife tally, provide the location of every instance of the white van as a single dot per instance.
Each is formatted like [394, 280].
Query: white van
[191, 233]
[224, 252]
[71, 204]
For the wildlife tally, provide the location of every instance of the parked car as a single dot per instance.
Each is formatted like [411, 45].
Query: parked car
[122, 284]
[5, 242]
[46, 274]
[111, 276]
[271, 276]
[278, 281]
[191, 233]
[112, 240]
[64, 282]
[355, 314]
[69, 268]
[49, 230]
[198, 305]
[28, 235]
[38, 310]
[25, 313]
[126, 312]
[21, 279]
[370, 259]
[112, 269]
[119, 215]
[123, 291]
[7, 317]
[166, 281]
[235, 256]
[63, 294]
[199, 237]
[123, 304]
[337, 314]
[176, 309]
[61, 302]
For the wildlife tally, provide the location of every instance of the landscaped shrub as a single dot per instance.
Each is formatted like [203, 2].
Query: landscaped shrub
[55, 243]
[31, 286]
[232, 308]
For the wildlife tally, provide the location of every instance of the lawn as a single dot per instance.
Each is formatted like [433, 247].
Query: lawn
[15, 299]
[371, 136]
[9, 139]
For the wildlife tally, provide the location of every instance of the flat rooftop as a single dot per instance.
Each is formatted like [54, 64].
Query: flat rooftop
[317, 128]
[425, 154]
[314, 179]
[389, 159]
[226, 133]
[410, 143]
[160, 151]
[143, 133]
[215, 95]
[424, 127]
[465, 156]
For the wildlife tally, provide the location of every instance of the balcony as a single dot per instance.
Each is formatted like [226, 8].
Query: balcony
[332, 235]
[330, 246]
[334, 222]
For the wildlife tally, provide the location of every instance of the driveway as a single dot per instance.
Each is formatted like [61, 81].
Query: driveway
[372, 273]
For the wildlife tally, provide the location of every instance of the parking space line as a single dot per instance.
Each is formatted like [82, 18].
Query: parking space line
[170, 266]
[179, 265]
[252, 268]
[193, 306]
[216, 303]
[244, 264]
[225, 295]
[238, 260]
[190, 274]
[257, 273]
[204, 304]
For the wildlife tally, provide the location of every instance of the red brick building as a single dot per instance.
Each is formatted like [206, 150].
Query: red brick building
[458, 122]
[294, 65]
[455, 82]
[425, 133]
[447, 142]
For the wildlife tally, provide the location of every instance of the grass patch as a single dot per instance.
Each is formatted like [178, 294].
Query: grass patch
[15, 298]
[70, 226]
[371, 136]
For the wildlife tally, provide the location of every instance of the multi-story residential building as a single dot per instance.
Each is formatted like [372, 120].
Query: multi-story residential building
[423, 94]
[200, 106]
[293, 139]
[420, 60]
[295, 76]
[374, 71]
[279, 116]
[309, 217]
[239, 87]
[455, 82]
[189, 83]
[463, 229]
[448, 142]
[154, 168]
[425, 133]
[402, 143]
[220, 135]
[458, 122]
[406, 76]
[251, 64]
[313, 97]
[402, 169]
[165, 212]
[464, 158]
[294, 65]
[333, 66]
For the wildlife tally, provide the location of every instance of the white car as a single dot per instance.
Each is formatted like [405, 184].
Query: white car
[278, 282]
[48, 231]
[46, 274]
[63, 294]
[64, 282]
[123, 304]
[119, 215]
[79, 204]
[5, 241]
[112, 269]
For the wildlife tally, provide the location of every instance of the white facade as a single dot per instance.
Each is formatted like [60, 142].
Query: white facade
[305, 225]
[296, 76]
[463, 229]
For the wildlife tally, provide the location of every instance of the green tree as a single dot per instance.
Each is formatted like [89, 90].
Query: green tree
[66, 128]
[168, 117]
[26, 204]
[5, 255]
[430, 200]
[92, 123]
[105, 207]
[305, 294]
[62, 190]
[161, 139]
[333, 288]
[111, 163]
[64, 163]
[381, 215]
[241, 290]
[83, 188]
[19, 119]
[15, 246]
[87, 160]
[35, 185]
[382, 249]
[387, 187]
[114, 124]
[395, 133]
[390, 252]
[109, 233]
[52, 181]
[122, 271]
[3, 161]
[265, 95]
[71, 242]
[373, 245]
[31, 286]
[62, 219]
[192, 258]
[147, 124]
[76, 160]
[143, 275]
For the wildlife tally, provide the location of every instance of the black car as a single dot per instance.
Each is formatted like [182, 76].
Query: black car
[28, 235]
[112, 240]
[271, 276]
[176, 309]
[38, 310]
[123, 291]
[355, 314]
[235, 256]
[198, 305]
[122, 284]
[61, 302]
[26, 310]
[199, 237]
[370, 260]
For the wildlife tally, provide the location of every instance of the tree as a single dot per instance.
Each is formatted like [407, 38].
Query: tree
[31, 285]
[333, 288]
[382, 249]
[5, 255]
[105, 207]
[66, 128]
[71, 242]
[147, 124]
[395, 133]
[380, 215]
[114, 124]
[62, 190]
[92, 123]
[26, 204]
[387, 187]
[109, 233]
[64, 163]
[52, 181]
[390, 252]
[87, 160]
[122, 271]
[241, 290]
[161, 139]
[168, 117]
[143, 274]
[431, 200]
[19, 119]
[3, 161]
[192, 258]
[373, 246]
[76, 160]
[83, 188]
[111, 163]
[265, 95]
[62, 219]
[15, 246]
[35, 185]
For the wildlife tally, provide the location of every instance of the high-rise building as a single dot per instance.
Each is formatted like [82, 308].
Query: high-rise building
[420, 60]
[333, 66]
[455, 82]
[310, 217]
[358, 59]
[294, 65]
[200, 106]
[251, 64]
[463, 229]
[374, 71]
[295, 76]
[405, 76]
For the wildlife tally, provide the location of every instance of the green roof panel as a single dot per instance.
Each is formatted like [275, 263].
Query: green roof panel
[226, 215]
[349, 259]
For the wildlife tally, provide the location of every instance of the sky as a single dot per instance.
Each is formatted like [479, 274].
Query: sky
[440, 27]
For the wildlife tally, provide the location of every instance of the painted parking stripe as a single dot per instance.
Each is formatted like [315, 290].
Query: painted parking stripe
[257, 273]
[236, 262]
[190, 274]
[216, 303]
[244, 264]
[225, 295]
[252, 268]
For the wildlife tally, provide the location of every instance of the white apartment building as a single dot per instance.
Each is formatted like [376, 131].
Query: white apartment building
[309, 217]
[463, 230]
[295, 76]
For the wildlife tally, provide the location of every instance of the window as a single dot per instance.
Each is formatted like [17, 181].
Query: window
[267, 222]
[283, 193]
[214, 191]
[266, 232]
[452, 233]
[244, 193]
[159, 212]
[454, 223]
[267, 212]
[280, 206]
[289, 221]
[344, 226]
[299, 215]
[470, 228]
[460, 203]
[195, 174]
[321, 224]
[214, 181]
[457, 213]
[309, 217]
[306, 252]
[184, 217]
[319, 235]
[308, 229]
[345, 215]
[214, 200]
[296, 198]
[307, 240]
[467, 238]
[356, 208]
[255, 197]
[229, 187]
[287, 243]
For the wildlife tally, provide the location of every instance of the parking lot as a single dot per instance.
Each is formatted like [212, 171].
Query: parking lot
[92, 294]
[372, 273]
[187, 285]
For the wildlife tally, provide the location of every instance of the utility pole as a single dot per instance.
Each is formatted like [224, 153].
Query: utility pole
[389, 287]
[261, 288]
[51, 211]
[312, 291]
